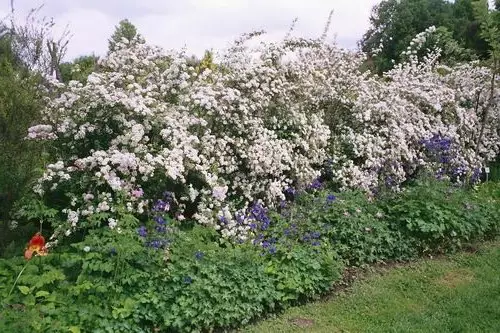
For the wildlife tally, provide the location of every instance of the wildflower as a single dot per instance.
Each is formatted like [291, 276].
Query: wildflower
[156, 244]
[161, 206]
[86, 249]
[199, 255]
[142, 231]
[112, 223]
[330, 198]
[161, 229]
[187, 280]
[137, 193]
[315, 234]
[219, 192]
[160, 220]
[315, 185]
[36, 246]
[290, 193]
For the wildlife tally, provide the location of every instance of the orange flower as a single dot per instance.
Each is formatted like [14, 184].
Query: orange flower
[36, 246]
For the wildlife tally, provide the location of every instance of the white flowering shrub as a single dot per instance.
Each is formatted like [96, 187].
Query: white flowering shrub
[235, 136]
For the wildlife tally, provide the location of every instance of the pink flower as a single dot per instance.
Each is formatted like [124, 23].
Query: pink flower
[138, 193]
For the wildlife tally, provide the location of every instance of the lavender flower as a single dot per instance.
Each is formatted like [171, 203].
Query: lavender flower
[199, 255]
[142, 231]
[330, 198]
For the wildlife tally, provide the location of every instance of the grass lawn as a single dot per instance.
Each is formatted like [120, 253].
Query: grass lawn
[457, 294]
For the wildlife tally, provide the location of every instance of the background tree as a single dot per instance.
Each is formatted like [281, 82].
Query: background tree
[33, 43]
[21, 99]
[490, 33]
[125, 30]
[394, 23]
[79, 69]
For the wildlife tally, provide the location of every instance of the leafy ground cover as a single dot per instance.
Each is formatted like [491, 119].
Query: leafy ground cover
[167, 276]
[460, 293]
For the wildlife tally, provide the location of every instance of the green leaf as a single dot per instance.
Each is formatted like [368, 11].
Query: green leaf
[42, 293]
[74, 329]
[24, 289]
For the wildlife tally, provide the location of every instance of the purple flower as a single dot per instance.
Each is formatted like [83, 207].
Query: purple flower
[315, 234]
[199, 255]
[222, 219]
[160, 220]
[330, 198]
[315, 185]
[290, 193]
[476, 175]
[161, 206]
[142, 231]
[161, 229]
[240, 217]
[156, 244]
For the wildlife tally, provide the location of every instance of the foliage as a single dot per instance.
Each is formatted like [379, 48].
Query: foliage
[79, 69]
[440, 217]
[145, 151]
[20, 103]
[166, 276]
[125, 31]
[111, 282]
[394, 23]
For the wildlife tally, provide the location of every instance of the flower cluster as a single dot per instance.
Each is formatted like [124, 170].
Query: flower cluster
[229, 140]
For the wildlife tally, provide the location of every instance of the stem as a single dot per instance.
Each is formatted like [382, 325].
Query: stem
[17, 279]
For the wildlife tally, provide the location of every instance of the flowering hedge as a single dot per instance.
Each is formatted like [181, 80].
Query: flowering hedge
[239, 135]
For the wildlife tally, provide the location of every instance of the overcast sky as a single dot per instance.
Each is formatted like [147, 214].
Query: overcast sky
[198, 24]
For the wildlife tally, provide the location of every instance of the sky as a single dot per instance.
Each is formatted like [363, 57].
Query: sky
[197, 25]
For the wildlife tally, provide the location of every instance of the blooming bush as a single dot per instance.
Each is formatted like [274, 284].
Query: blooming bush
[235, 136]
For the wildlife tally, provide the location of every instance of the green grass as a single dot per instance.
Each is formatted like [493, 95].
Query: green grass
[458, 294]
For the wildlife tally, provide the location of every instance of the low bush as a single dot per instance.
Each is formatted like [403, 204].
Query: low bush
[111, 283]
[441, 217]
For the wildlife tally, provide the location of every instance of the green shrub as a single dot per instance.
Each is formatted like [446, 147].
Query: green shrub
[440, 216]
[120, 285]
[20, 105]
[185, 278]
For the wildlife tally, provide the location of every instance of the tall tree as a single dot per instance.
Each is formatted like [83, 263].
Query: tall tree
[34, 43]
[490, 32]
[124, 30]
[394, 23]
[21, 100]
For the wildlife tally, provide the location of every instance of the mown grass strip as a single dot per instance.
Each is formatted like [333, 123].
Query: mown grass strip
[460, 293]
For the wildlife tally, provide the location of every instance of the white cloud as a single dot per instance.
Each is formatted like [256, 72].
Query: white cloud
[200, 24]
